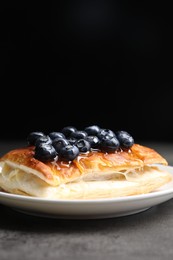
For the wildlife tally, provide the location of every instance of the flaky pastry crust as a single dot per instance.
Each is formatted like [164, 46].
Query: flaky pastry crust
[21, 163]
[58, 172]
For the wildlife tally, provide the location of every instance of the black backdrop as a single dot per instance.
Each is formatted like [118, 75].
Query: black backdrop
[86, 62]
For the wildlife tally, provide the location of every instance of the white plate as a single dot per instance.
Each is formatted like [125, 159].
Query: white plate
[89, 209]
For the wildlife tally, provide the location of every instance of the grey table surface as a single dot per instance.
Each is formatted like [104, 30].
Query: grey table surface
[146, 235]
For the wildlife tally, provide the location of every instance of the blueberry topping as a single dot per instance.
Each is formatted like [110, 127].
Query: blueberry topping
[59, 142]
[69, 153]
[105, 132]
[92, 130]
[83, 145]
[93, 140]
[43, 139]
[45, 152]
[72, 140]
[32, 137]
[79, 134]
[68, 130]
[109, 144]
[54, 135]
[125, 139]
[67, 144]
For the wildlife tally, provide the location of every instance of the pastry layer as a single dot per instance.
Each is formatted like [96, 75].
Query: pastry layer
[56, 173]
[119, 184]
[92, 175]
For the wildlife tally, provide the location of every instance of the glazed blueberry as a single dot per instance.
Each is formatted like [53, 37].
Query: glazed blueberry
[79, 135]
[68, 152]
[54, 135]
[32, 137]
[59, 142]
[45, 152]
[92, 130]
[109, 145]
[105, 132]
[68, 130]
[93, 140]
[83, 145]
[125, 139]
[43, 139]
[72, 140]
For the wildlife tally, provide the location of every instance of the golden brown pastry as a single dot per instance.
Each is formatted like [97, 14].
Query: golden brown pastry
[91, 175]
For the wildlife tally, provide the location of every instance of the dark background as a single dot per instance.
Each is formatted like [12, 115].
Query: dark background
[86, 62]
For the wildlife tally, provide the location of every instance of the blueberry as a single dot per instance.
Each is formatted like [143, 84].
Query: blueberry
[93, 140]
[43, 139]
[125, 139]
[79, 134]
[109, 144]
[92, 130]
[72, 140]
[68, 130]
[83, 145]
[105, 132]
[68, 153]
[45, 152]
[59, 142]
[54, 135]
[32, 137]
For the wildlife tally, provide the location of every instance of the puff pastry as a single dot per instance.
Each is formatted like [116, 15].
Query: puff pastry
[92, 175]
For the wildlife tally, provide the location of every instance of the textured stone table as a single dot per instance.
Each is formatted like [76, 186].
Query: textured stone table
[146, 235]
